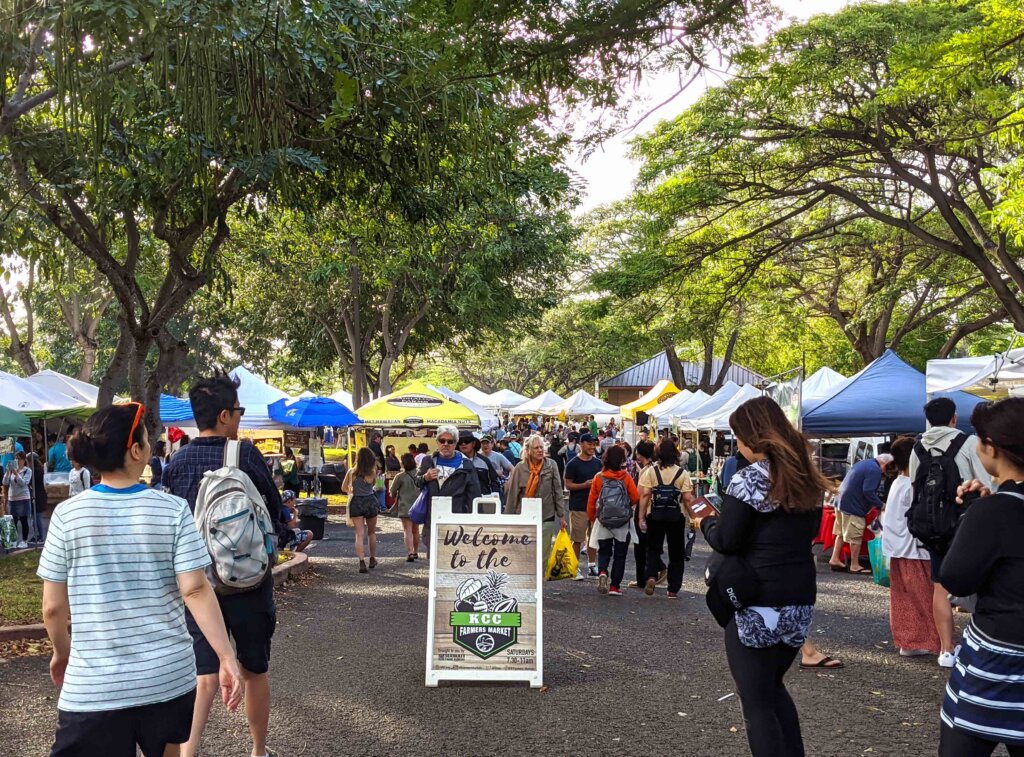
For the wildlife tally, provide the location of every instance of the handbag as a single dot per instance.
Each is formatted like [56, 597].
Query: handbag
[732, 585]
[419, 511]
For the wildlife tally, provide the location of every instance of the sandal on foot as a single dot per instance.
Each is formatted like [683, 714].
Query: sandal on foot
[826, 662]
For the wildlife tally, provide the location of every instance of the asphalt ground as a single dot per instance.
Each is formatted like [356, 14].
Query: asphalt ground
[632, 675]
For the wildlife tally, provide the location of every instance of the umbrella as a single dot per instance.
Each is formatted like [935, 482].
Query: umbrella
[417, 405]
[310, 412]
[13, 423]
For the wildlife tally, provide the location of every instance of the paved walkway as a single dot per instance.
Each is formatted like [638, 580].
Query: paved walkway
[633, 675]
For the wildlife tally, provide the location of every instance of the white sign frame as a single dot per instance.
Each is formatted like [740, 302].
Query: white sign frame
[442, 515]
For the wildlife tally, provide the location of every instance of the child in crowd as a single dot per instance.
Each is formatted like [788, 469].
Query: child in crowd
[293, 537]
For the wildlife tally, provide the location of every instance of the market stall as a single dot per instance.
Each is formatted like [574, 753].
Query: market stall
[256, 395]
[473, 394]
[582, 403]
[671, 410]
[989, 376]
[635, 413]
[539, 405]
[821, 383]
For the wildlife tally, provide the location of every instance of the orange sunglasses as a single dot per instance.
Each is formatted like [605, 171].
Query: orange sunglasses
[135, 423]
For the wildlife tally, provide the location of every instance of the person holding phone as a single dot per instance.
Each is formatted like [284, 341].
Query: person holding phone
[768, 518]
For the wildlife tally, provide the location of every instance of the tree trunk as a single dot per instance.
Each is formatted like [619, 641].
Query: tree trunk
[89, 350]
[727, 359]
[675, 365]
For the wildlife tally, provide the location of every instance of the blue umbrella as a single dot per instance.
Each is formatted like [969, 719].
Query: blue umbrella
[310, 412]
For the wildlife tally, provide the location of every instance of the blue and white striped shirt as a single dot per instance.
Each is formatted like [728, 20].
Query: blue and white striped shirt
[120, 551]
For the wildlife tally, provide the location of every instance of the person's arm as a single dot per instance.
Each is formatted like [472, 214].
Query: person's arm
[51, 458]
[645, 502]
[978, 472]
[202, 603]
[513, 491]
[56, 616]
[975, 549]
[596, 483]
[25, 476]
[559, 495]
[346, 485]
[631, 490]
[473, 486]
[86, 478]
[728, 532]
[396, 486]
[255, 465]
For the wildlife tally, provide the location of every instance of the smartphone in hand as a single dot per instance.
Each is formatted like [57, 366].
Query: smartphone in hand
[701, 507]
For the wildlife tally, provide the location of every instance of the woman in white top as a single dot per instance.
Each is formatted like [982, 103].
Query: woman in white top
[910, 581]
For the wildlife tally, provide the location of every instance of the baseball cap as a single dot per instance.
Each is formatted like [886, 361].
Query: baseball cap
[287, 495]
[487, 438]
[586, 437]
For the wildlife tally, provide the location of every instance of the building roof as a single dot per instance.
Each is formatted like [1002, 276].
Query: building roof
[648, 373]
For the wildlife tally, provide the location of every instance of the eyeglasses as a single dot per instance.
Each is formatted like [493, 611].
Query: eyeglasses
[446, 441]
[239, 410]
[135, 423]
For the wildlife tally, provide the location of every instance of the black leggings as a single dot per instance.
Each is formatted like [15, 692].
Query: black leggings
[23, 520]
[956, 743]
[772, 723]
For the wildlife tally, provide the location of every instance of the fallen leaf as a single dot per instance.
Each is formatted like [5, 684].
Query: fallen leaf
[733, 729]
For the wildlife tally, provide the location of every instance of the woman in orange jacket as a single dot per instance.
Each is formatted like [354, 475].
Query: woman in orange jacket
[613, 495]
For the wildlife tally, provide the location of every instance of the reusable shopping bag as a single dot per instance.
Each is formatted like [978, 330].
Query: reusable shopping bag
[879, 562]
[563, 562]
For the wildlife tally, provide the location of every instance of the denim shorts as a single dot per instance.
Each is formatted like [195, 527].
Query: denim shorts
[20, 508]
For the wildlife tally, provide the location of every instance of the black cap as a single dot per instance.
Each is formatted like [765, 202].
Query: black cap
[586, 437]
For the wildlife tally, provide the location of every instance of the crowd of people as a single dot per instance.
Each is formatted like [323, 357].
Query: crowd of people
[152, 644]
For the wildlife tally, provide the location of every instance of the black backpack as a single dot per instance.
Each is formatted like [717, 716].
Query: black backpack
[665, 498]
[933, 513]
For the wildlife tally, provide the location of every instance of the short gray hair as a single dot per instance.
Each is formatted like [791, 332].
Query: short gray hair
[447, 430]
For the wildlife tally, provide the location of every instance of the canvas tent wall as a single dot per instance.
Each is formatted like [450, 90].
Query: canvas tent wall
[542, 404]
[708, 407]
[821, 383]
[718, 420]
[582, 403]
[504, 399]
[887, 397]
[669, 411]
[473, 394]
[989, 376]
[255, 395]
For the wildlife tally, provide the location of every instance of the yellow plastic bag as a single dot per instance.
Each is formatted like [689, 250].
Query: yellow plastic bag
[563, 561]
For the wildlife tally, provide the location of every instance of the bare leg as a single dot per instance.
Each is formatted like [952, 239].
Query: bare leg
[172, 750]
[206, 691]
[855, 556]
[837, 554]
[410, 540]
[257, 709]
[360, 525]
[415, 538]
[942, 612]
[811, 655]
[371, 530]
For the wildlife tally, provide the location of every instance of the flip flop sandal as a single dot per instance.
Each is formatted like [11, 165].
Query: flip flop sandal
[838, 568]
[859, 572]
[824, 664]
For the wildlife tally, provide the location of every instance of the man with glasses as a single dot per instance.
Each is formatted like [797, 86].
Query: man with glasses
[250, 616]
[448, 473]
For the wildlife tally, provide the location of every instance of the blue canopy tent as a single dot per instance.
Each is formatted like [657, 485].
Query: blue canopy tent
[887, 397]
[174, 410]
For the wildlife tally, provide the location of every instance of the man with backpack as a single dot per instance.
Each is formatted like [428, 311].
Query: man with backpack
[249, 615]
[943, 459]
[664, 487]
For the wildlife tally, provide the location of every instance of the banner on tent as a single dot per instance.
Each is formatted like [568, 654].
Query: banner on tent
[787, 390]
[484, 621]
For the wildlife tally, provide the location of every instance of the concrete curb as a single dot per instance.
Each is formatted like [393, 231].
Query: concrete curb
[297, 565]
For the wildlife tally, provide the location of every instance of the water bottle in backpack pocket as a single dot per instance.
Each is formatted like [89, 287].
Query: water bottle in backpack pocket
[235, 525]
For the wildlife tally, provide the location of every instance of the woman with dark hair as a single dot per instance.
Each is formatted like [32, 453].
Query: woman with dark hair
[613, 489]
[664, 487]
[910, 577]
[982, 707]
[18, 480]
[768, 518]
[404, 492]
[127, 677]
[363, 505]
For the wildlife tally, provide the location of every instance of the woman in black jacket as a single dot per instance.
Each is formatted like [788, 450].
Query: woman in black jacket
[769, 517]
[982, 707]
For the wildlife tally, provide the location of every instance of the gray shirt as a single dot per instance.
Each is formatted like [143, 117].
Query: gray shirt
[500, 462]
[19, 482]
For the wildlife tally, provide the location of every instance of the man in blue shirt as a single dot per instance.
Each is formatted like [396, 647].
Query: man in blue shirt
[57, 459]
[857, 495]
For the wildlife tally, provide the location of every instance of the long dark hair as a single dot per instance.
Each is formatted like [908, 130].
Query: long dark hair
[614, 458]
[366, 463]
[103, 441]
[794, 480]
[999, 424]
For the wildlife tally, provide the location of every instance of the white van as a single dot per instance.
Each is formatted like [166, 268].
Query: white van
[837, 456]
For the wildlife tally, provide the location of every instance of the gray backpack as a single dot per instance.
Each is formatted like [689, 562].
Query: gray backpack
[613, 506]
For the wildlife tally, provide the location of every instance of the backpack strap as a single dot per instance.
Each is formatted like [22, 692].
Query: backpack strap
[657, 473]
[231, 453]
[956, 445]
[922, 454]
[679, 472]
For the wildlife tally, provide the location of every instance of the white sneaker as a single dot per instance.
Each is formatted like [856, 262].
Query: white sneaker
[948, 659]
[579, 575]
[21, 545]
[913, 652]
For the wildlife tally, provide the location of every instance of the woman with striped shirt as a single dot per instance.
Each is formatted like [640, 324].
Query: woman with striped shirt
[984, 702]
[122, 561]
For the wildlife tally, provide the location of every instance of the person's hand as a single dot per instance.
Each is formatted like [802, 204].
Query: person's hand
[695, 523]
[430, 475]
[58, 665]
[973, 485]
[643, 524]
[562, 524]
[232, 687]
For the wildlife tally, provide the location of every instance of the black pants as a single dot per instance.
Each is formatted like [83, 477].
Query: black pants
[613, 551]
[773, 727]
[956, 743]
[640, 553]
[22, 520]
[657, 533]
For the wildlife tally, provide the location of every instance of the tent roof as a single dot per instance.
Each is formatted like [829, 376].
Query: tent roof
[820, 383]
[176, 410]
[473, 394]
[504, 399]
[345, 398]
[988, 376]
[415, 405]
[708, 407]
[72, 387]
[660, 392]
[539, 405]
[886, 397]
[719, 419]
[13, 423]
[488, 419]
[36, 401]
[583, 403]
[684, 399]
[255, 394]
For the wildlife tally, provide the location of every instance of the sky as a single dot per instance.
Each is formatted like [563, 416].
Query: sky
[608, 172]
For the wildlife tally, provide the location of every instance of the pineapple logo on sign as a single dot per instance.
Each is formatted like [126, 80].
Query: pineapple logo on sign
[485, 620]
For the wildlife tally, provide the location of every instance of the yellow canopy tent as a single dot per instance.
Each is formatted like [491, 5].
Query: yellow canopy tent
[658, 393]
[416, 405]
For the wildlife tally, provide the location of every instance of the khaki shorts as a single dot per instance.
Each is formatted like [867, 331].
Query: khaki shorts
[579, 527]
[849, 527]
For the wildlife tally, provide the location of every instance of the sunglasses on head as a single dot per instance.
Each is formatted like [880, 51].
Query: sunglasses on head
[139, 412]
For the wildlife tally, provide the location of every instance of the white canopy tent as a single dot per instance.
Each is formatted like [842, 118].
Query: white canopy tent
[582, 403]
[671, 410]
[38, 401]
[539, 405]
[71, 387]
[473, 394]
[505, 399]
[821, 383]
[488, 420]
[719, 419]
[990, 376]
[710, 406]
[345, 398]
[254, 394]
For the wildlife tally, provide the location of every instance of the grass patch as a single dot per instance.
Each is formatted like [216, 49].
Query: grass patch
[21, 591]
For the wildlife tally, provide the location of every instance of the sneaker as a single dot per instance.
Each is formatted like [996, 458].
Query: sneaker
[672, 595]
[633, 585]
[662, 576]
[21, 545]
[649, 587]
[614, 591]
[593, 571]
[948, 659]
[579, 575]
[914, 652]
[602, 583]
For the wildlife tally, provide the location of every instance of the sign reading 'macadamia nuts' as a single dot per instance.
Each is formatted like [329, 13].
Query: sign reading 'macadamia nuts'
[485, 615]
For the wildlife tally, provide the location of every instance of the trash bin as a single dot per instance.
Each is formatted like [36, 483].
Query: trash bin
[313, 515]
